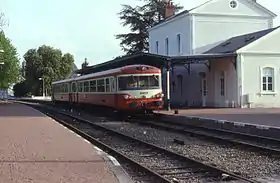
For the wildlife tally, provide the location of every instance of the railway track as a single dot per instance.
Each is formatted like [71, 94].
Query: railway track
[161, 164]
[261, 144]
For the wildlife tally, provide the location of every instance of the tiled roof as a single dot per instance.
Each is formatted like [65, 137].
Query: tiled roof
[233, 44]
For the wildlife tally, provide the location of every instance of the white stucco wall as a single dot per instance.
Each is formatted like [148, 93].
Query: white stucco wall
[179, 25]
[261, 53]
[202, 29]
[222, 7]
[223, 22]
[221, 28]
[214, 97]
[252, 65]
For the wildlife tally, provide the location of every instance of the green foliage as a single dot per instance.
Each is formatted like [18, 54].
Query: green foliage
[47, 63]
[139, 19]
[21, 89]
[3, 21]
[9, 63]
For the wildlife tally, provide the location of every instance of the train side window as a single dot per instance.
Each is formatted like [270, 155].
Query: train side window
[86, 86]
[100, 85]
[93, 86]
[67, 87]
[113, 84]
[73, 87]
[107, 81]
[80, 86]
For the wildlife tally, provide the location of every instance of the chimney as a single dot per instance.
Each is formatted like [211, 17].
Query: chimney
[169, 9]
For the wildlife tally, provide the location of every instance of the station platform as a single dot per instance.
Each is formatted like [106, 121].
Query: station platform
[255, 121]
[35, 148]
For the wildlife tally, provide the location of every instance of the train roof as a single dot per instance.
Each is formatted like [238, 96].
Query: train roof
[111, 71]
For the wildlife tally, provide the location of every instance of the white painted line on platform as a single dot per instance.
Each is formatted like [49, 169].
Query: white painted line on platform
[71, 131]
[115, 162]
[221, 121]
[262, 127]
[79, 136]
[238, 124]
[87, 141]
[98, 149]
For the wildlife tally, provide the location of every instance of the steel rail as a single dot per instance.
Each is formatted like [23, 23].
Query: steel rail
[107, 148]
[212, 168]
[202, 131]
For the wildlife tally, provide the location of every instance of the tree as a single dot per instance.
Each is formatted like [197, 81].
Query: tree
[47, 63]
[140, 19]
[136, 40]
[9, 63]
[85, 64]
[3, 21]
[21, 89]
[74, 67]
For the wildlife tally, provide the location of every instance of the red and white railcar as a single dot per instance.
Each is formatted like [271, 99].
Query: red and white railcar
[133, 87]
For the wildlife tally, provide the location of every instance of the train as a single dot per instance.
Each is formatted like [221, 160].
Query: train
[132, 88]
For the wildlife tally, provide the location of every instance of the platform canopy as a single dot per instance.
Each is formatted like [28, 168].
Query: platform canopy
[159, 61]
[189, 59]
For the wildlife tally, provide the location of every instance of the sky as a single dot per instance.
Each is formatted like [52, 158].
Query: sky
[84, 28]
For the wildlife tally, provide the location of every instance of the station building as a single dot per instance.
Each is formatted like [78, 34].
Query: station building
[229, 54]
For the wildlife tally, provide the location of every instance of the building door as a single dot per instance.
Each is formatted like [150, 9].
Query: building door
[203, 90]
[180, 86]
[222, 89]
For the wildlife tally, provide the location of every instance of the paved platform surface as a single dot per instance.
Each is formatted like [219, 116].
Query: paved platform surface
[35, 148]
[258, 121]
[259, 116]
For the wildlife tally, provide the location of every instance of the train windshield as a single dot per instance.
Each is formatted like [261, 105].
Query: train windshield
[138, 82]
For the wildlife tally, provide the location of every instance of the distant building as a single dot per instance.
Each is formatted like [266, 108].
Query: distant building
[243, 28]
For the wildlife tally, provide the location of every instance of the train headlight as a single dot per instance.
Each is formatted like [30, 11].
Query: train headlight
[160, 95]
[127, 97]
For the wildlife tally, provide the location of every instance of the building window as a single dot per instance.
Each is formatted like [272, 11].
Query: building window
[157, 47]
[267, 79]
[222, 83]
[179, 44]
[166, 46]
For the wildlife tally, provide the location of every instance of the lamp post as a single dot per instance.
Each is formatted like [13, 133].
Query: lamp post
[43, 86]
[1, 63]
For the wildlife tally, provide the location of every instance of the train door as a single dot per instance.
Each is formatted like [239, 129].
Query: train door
[78, 89]
[114, 90]
[72, 94]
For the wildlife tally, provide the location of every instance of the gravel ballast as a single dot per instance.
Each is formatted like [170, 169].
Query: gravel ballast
[152, 158]
[245, 163]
